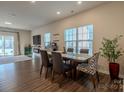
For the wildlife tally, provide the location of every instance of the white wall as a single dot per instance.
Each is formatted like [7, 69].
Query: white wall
[108, 21]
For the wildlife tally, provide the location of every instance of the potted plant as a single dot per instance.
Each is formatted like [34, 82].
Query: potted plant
[111, 51]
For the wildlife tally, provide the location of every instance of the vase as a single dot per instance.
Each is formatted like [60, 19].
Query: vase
[114, 70]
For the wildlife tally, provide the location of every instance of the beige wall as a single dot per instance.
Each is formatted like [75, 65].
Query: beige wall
[108, 21]
[25, 38]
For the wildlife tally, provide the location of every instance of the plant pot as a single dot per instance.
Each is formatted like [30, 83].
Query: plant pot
[114, 70]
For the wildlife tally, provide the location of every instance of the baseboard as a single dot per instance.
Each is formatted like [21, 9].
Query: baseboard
[121, 76]
[106, 72]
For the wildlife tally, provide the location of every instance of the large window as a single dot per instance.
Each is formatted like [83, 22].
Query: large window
[79, 38]
[70, 38]
[47, 40]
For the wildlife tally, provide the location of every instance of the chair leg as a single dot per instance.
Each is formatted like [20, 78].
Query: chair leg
[64, 74]
[93, 81]
[77, 74]
[46, 72]
[41, 70]
[61, 81]
[52, 75]
[70, 74]
[65, 61]
[51, 69]
[97, 75]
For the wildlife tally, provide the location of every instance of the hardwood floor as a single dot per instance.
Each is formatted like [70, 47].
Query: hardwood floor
[24, 76]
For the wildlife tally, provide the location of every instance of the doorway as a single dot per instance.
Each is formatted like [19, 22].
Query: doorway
[6, 45]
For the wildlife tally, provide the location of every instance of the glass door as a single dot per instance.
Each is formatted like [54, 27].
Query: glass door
[1, 45]
[6, 45]
[9, 45]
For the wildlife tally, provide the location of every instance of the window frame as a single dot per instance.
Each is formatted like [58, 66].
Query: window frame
[45, 39]
[77, 40]
[65, 41]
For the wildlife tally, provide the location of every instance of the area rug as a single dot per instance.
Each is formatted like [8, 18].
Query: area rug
[108, 85]
[13, 59]
[116, 85]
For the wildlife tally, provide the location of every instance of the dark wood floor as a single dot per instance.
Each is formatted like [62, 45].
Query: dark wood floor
[24, 76]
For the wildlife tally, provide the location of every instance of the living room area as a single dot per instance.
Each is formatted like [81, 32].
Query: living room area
[12, 44]
[61, 46]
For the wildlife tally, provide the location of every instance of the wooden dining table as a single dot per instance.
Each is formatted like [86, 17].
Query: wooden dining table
[75, 59]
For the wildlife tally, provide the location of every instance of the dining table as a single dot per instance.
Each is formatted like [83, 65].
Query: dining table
[75, 59]
[82, 57]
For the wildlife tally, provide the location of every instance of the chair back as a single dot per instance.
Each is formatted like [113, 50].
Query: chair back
[70, 50]
[64, 50]
[97, 57]
[57, 62]
[93, 62]
[44, 58]
[84, 51]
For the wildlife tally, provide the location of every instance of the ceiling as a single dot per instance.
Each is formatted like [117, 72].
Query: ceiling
[28, 15]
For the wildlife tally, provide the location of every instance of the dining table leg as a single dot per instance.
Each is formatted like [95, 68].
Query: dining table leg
[74, 74]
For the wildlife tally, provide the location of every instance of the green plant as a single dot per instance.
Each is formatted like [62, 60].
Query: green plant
[110, 49]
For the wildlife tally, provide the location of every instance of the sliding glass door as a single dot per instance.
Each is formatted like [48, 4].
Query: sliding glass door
[1, 45]
[9, 45]
[6, 45]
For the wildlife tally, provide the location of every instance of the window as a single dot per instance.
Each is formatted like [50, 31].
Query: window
[85, 38]
[70, 38]
[79, 38]
[47, 40]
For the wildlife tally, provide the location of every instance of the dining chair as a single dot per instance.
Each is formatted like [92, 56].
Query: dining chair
[84, 51]
[90, 68]
[45, 62]
[59, 67]
[64, 50]
[70, 50]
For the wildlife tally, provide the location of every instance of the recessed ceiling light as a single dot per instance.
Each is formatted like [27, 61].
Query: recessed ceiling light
[33, 1]
[58, 13]
[8, 23]
[79, 2]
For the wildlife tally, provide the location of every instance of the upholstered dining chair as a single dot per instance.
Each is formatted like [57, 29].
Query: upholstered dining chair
[84, 51]
[70, 50]
[45, 62]
[90, 68]
[59, 67]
